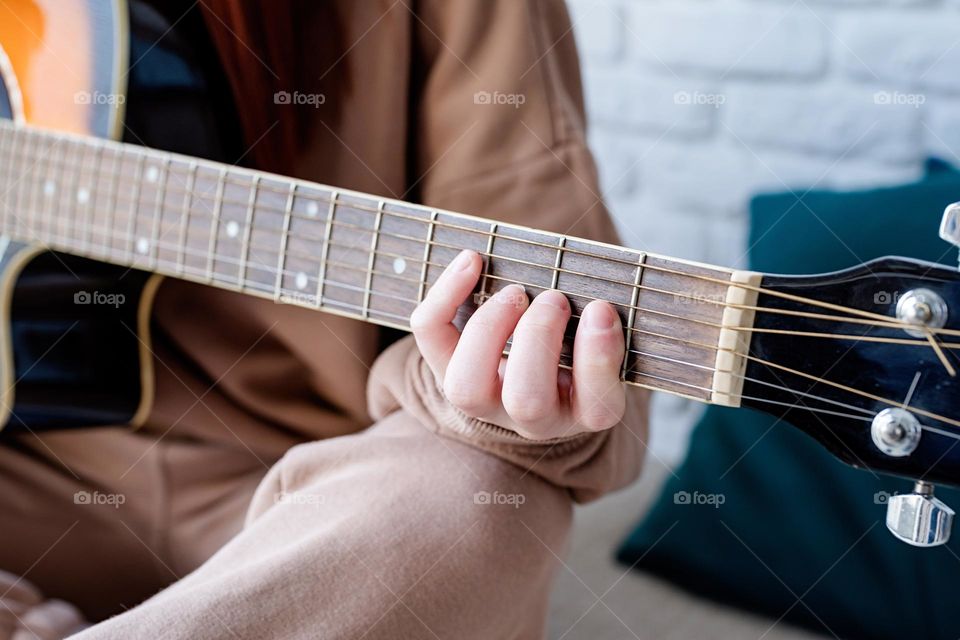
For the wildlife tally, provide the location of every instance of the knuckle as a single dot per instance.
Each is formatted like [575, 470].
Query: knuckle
[465, 397]
[527, 409]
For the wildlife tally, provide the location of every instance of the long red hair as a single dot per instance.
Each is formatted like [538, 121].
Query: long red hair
[263, 48]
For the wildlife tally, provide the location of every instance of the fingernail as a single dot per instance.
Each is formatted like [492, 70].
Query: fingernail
[554, 299]
[462, 261]
[601, 317]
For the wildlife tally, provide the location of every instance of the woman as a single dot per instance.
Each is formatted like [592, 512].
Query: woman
[283, 488]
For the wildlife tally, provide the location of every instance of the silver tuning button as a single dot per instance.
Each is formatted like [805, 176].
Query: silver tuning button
[918, 518]
[950, 224]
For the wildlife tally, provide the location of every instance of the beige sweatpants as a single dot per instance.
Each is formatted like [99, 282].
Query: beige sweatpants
[418, 527]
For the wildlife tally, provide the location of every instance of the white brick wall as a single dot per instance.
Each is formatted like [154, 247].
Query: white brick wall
[694, 105]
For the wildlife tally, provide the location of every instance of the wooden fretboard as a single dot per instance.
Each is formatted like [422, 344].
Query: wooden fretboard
[349, 253]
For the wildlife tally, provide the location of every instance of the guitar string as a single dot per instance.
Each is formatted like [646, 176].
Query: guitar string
[800, 298]
[637, 352]
[698, 299]
[648, 311]
[101, 145]
[182, 250]
[801, 407]
[836, 336]
[642, 374]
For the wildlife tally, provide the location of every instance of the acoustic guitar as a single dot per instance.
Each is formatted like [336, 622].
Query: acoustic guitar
[90, 225]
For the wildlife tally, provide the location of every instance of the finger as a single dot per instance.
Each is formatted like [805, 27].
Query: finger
[530, 394]
[472, 381]
[432, 320]
[598, 397]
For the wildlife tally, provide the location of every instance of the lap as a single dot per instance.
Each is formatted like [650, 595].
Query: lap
[86, 513]
[394, 532]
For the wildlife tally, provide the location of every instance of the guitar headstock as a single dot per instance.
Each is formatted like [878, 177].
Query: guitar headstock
[866, 361]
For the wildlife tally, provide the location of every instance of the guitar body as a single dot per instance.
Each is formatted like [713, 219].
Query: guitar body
[74, 332]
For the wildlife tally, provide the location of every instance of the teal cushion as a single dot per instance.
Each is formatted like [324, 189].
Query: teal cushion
[759, 515]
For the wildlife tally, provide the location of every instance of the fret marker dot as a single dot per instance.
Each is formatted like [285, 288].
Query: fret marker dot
[301, 280]
[142, 245]
[152, 174]
[399, 265]
[83, 195]
[233, 229]
[49, 188]
[312, 209]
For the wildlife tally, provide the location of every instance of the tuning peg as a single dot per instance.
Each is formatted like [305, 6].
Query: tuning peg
[950, 224]
[918, 518]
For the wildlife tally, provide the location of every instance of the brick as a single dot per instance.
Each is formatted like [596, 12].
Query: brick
[599, 29]
[713, 181]
[618, 97]
[644, 223]
[903, 48]
[830, 120]
[785, 41]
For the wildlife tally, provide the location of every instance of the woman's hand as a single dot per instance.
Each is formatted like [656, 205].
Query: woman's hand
[527, 392]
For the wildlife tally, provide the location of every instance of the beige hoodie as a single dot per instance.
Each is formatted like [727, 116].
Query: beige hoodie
[396, 516]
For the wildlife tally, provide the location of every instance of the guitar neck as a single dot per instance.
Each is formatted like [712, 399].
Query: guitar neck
[358, 255]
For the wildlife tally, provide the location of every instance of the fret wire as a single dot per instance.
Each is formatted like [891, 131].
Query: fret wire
[46, 211]
[139, 162]
[162, 180]
[29, 169]
[32, 205]
[113, 198]
[87, 208]
[557, 262]
[282, 256]
[53, 220]
[632, 314]
[62, 194]
[245, 248]
[375, 237]
[485, 271]
[46, 208]
[185, 214]
[67, 219]
[426, 254]
[215, 221]
[325, 250]
[29, 203]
